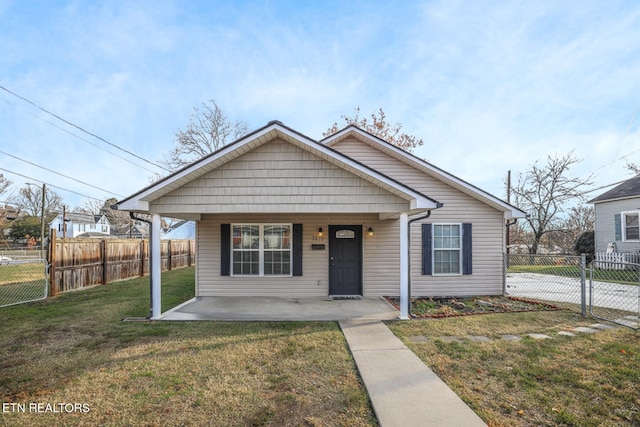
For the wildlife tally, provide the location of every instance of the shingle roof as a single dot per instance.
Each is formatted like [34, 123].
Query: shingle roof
[629, 188]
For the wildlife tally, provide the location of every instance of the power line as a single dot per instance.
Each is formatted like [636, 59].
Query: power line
[81, 129]
[79, 137]
[50, 185]
[602, 186]
[58, 173]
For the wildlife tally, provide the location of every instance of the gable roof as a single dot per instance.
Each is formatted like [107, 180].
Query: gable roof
[80, 218]
[141, 200]
[628, 189]
[426, 167]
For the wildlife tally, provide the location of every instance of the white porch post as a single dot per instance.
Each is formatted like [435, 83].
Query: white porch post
[404, 266]
[155, 267]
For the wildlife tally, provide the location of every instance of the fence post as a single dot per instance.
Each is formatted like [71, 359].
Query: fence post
[103, 249]
[142, 258]
[583, 283]
[505, 260]
[169, 254]
[52, 262]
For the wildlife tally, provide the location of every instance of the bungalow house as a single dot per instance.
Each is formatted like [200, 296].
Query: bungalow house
[617, 213]
[280, 214]
[73, 224]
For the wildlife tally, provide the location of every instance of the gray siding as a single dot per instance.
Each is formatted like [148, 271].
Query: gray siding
[488, 227]
[278, 177]
[380, 257]
[605, 228]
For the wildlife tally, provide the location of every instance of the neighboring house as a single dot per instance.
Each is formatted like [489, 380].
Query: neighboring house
[133, 230]
[10, 213]
[280, 214]
[617, 223]
[81, 225]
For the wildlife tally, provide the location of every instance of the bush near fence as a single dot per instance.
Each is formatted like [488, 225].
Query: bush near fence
[81, 263]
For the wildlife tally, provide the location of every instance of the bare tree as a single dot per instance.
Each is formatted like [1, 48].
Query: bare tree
[544, 192]
[379, 127]
[633, 167]
[208, 131]
[29, 199]
[4, 184]
[578, 219]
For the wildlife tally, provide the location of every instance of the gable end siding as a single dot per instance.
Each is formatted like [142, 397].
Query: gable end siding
[279, 177]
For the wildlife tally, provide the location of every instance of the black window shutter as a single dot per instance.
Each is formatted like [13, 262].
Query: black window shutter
[617, 222]
[427, 265]
[225, 249]
[467, 251]
[297, 249]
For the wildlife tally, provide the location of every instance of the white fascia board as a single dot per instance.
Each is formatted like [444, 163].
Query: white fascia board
[514, 214]
[424, 204]
[616, 199]
[133, 205]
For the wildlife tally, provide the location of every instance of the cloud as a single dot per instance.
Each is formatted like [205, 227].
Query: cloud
[489, 87]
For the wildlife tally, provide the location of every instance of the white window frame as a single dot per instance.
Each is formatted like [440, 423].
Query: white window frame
[434, 250]
[261, 249]
[623, 224]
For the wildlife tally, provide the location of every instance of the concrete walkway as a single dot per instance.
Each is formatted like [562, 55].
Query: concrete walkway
[402, 389]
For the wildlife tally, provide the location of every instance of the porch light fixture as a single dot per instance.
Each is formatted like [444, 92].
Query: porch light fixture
[370, 231]
[320, 232]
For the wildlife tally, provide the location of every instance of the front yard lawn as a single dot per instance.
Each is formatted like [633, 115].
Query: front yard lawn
[584, 380]
[75, 349]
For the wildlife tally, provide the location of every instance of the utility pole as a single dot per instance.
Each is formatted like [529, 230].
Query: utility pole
[64, 221]
[508, 239]
[44, 189]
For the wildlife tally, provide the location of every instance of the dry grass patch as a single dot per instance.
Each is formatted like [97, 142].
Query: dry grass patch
[76, 349]
[586, 380]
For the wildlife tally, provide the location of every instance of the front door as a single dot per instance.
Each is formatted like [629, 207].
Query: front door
[345, 260]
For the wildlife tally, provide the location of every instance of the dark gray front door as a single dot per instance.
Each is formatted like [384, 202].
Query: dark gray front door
[345, 260]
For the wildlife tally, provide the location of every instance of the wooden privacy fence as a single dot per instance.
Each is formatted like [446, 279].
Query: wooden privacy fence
[80, 263]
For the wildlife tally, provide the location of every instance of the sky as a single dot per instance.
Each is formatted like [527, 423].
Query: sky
[489, 86]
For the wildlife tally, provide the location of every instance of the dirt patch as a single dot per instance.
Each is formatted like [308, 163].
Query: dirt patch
[451, 307]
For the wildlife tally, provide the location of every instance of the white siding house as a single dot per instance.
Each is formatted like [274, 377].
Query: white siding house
[280, 214]
[617, 213]
[81, 225]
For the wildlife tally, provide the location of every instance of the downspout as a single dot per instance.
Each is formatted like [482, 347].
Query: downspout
[439, 205]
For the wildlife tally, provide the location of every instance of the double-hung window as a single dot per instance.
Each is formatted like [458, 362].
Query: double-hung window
[261, 249]
[631, 225]
[447, 248]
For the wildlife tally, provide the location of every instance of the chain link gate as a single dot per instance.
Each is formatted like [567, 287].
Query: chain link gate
[606, 290]
[23, 280]
[614, 292]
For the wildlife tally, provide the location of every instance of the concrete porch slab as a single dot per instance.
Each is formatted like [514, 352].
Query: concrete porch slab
[281, 309]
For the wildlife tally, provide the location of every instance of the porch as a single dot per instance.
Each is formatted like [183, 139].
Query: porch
[281, 309]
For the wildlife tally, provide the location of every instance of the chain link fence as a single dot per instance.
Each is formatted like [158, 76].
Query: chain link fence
[614, 292]
[608, 291]
[22, 280]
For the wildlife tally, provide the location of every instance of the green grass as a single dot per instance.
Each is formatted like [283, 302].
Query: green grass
[16, 273]
[586, 380]
[76, 348]
[625, 277]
